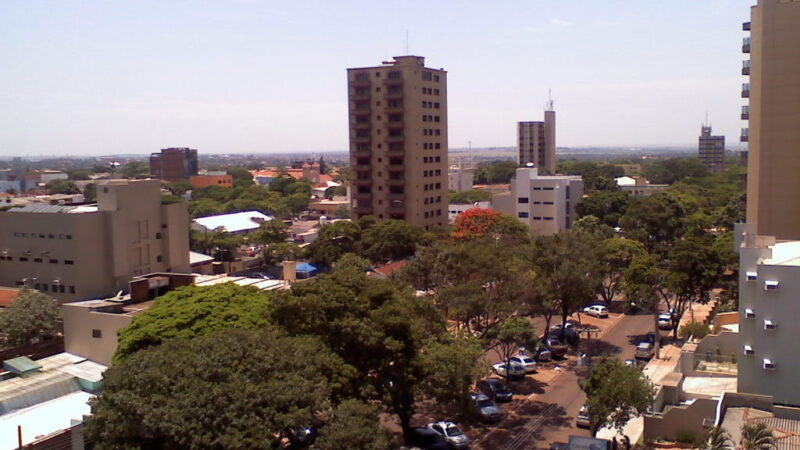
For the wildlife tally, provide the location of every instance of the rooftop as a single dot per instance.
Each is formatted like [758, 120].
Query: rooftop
[8, 296]
[235, 222]
[786, 431]
[784, 254]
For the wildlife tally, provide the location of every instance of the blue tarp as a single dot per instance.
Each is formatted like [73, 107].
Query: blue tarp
[306, 267]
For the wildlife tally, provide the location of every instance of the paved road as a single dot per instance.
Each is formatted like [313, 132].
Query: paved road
[550, 415]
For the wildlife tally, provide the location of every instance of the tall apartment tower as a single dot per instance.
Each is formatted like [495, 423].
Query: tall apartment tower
[711, 150]
[773, 184]
[174, 164]
[398, 141]
[536, 141]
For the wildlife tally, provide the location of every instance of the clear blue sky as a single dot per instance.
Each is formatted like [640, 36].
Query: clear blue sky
[102, 77]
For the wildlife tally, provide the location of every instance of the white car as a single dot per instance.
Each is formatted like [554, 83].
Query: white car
[525, 361]
[451, 433]
[596, 310]
[664, 322]
[509, 370]
[582, 420]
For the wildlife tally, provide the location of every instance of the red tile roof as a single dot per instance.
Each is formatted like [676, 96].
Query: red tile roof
[8, 296]
[390, 268]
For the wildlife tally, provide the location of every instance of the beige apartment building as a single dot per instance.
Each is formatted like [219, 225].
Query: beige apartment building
[398, 141]
[546, 203]
[536, 142]
[90, 251]
[773, 184]
[711, 150]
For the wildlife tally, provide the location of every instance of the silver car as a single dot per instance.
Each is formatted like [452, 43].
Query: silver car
[451, 433]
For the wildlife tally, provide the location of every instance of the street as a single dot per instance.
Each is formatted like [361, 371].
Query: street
[554, 398]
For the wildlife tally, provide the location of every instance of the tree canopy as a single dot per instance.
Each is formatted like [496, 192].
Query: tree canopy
[470, 197]
[32, 315]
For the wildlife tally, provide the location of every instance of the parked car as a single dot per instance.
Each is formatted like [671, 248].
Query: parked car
[596, 311]
[509, 370]
[525, 361]
[486, 409]
[426, 439]
[557, 348]
[570, 336]
[495, 389]
[568, 324]
[664, 321]
[543, 354]
[645, 350]
[582, 420]
[634, 362]
[451, 433]
[259, 275]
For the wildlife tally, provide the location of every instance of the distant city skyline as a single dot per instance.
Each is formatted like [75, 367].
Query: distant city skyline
[249, 76]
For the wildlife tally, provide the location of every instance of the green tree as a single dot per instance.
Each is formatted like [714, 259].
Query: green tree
[495, 172]
[274, 254]
[297, 203]
[592, 225]
[669, 171]
[617, 254]
[454, 365]
[645, 285]
[90, 192]
[269, 232]
[717, 439]
[79, 174]
[242, 178]
[596, 176]
[354, 424]
[33, 315]
[135, 169]
[62, 187]
[179, 187]
[509, 335]
[232, 389]
[657, 221]
[390, 240]
[469, 197]
[757, 436]
[334, 240]
[193, 311]
[614, 394]
[205, 207]
[214, 242]
[607, 206]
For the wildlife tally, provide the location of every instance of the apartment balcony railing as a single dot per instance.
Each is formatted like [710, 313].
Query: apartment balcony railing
[362, 139]
[360, 111]
[393, 96]
[395, 139]
[745, 137]
[395, 124]
[362, 182]
[746, 45]
[746, 90]
[393, 81]
[360, 97]
[745, 112]
[363, 196]
[398, 181]
[393, 109]
[360, 83]
[395, 167]
[360, 125]
[358, 167]
[746, 26]
[746, 67]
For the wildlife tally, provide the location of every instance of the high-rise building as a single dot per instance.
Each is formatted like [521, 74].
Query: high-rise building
[536, 142]
[773, 136]
[711, 150]
[398, 141]
[174, 164]
[89, 251]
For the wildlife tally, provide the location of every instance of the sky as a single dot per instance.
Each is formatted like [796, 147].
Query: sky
[99, 77]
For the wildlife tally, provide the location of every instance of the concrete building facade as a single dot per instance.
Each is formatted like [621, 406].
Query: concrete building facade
[460, 178]
[711, 150]
[546, 203]
[769, 318]
[398, 141]
[536, 142]
[773, 187]
[174, 164]
[80, 252]
[200, 181]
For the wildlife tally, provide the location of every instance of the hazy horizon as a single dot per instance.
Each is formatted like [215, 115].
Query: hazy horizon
[247, 76]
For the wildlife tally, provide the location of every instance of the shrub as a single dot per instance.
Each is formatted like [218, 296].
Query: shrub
[696, 329]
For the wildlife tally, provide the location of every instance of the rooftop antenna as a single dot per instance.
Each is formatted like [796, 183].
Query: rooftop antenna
[549, 105]
[407, 53]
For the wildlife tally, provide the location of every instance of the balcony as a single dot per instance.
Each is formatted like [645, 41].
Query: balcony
[393, 109]
[746, 90]
[362, 182]
[396, 151]
[363, 197]
[745, 112]
[358, 167]
[362, 139]
[746, 45]
[395, 139]
[361, 125]
[389, 96]
[398, 181]
[363, 211]
[746, 26]
[746, 67]
[393, 81]
[395, 124]
[360, 97]
[745, 137]
[360, 83]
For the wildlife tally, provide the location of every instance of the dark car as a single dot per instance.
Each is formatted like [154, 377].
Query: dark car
[557, 348]
[485, 408]
[426, 439]
[495, 389]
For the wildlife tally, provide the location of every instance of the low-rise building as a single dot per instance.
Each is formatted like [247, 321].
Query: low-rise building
[639, 186]
[546, 203]
[92, 251]
[234, 223]
[454, 209]
[200, 181]
[460, 179]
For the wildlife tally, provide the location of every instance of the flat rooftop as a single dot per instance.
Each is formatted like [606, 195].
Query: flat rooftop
[785, 253]
[786, 431]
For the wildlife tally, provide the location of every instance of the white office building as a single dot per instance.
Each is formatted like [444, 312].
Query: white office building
[546, 203]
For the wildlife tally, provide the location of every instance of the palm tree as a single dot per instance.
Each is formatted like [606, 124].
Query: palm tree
[718, 439]
[757, 437]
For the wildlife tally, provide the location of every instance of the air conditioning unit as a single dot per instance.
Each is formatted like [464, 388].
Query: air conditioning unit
[770, 325]
[770, 285]
[749, 313]
[751, 276]
[748, 350]
[769, 364]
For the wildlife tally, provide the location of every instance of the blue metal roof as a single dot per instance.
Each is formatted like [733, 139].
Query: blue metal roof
[306, 267]
[21, 365]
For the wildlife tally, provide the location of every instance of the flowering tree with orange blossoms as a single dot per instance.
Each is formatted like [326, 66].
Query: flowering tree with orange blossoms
[478, 222]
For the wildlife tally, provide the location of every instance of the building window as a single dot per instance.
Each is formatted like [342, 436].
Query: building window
[53, 261]
[770, 285]
[769, 364]
[97, 334]
[72, 289]
[522, 215]
[770, 325]
[37, 259]
[748, 350]
[23, 259]
[69, 262]
[522, 200]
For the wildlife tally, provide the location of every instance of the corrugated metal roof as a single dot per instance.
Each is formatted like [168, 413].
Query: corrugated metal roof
[21, 365]
[44, 208]
[235, 222]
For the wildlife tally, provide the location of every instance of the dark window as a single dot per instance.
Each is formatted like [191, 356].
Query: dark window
[69, 262]
[159, 258]
[53, 261]
[61, 288]
[72, 289]
[23, 259]
[522, 200]
[37, 259]
[522, 215]
[97, 333]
